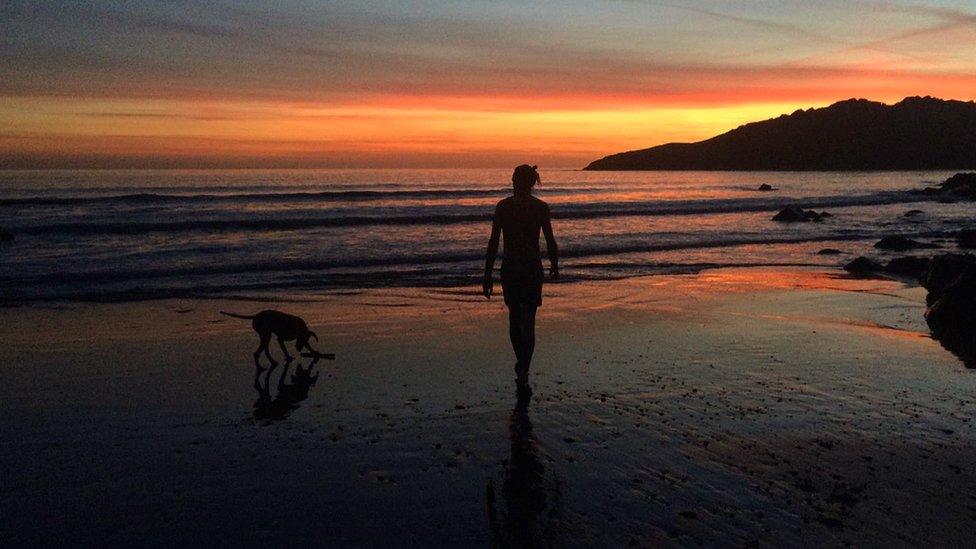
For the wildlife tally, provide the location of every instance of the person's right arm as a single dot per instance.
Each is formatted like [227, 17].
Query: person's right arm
[496, 229]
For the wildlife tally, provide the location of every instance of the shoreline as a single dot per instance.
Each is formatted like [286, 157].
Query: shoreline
[320, 294]
[769, 406]
[193, 236]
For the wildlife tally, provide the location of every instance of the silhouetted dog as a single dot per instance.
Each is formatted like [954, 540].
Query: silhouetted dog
[283, 326]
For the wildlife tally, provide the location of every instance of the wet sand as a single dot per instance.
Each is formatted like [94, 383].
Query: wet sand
[773, 407]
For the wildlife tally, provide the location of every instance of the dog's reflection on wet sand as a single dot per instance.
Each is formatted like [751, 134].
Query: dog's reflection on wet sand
[289, 394]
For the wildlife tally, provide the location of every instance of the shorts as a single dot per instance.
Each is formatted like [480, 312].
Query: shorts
[522, 285]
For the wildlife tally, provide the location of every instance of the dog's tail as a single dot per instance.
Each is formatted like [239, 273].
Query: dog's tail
[245, 317]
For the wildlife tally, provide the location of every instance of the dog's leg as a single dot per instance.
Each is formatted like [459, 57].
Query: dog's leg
[257, 376]
[281, 343]
[281, 378]
[265, 343]
[262, 388]
[257, 357]
[267, 377]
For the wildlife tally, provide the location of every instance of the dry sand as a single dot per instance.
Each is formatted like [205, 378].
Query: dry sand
[734, 407]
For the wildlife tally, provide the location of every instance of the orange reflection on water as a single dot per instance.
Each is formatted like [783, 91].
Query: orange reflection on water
[750, 280]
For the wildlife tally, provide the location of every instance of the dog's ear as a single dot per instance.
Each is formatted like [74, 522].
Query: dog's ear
[312, 334]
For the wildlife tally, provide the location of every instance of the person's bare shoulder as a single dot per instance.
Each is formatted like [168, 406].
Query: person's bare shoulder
[503, 211]
[542, 205]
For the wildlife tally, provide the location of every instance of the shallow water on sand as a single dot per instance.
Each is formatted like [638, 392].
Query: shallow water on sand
[734, 407]
[132, 235]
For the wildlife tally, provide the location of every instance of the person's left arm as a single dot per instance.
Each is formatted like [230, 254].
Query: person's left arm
[551, 247]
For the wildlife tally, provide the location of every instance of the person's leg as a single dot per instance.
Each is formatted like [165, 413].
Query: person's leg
[515, 331]
[527, 334]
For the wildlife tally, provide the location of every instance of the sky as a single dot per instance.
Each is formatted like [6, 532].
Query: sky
[170, 83]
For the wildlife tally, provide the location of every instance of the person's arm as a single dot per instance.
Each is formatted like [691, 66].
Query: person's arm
[551, 247]
[496, 229]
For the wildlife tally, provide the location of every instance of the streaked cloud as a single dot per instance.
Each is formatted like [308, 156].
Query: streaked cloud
[567, 80]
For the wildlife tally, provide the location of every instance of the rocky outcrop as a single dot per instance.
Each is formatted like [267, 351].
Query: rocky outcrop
[952, 317]
[961, 186]
[944, 270]
[863, 266]
[950, 279]
[910, 266]
[900, 244]
[913, 134]
[795, 214]
[766, 188]
[966, 239]
[951, 313]
[955, 309]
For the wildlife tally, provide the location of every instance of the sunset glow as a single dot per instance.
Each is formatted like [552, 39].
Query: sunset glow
[444, 84]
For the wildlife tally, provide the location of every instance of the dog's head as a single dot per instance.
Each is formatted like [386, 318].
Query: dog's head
[303, 376]
[302, 342]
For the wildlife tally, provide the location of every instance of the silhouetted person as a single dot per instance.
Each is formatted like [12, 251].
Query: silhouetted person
[518, 220]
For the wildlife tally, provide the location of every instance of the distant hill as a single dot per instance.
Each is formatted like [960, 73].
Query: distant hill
[915, 134]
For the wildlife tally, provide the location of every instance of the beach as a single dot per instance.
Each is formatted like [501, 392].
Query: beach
[771, 406]
[488, 274]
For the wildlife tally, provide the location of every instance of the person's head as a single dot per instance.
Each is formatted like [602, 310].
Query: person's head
[524, 178]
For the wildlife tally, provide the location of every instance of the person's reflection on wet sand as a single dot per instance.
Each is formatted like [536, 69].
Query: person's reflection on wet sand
[289, 394]
[532, 501]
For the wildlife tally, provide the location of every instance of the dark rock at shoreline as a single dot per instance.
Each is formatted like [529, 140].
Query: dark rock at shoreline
[793, 214]
[960, 342]
[900, 243]
[951, 314]
[961, 184]
[913, 266]
[766, 188]
[913, 213]
[863, 265]
[966, 238]
[956, 306]
[943, 270]
[952, 317]
[829, 251]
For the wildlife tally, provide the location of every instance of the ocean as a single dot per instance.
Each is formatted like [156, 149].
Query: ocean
[124, 235]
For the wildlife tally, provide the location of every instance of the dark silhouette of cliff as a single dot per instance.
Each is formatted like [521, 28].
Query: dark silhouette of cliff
[914, 134]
